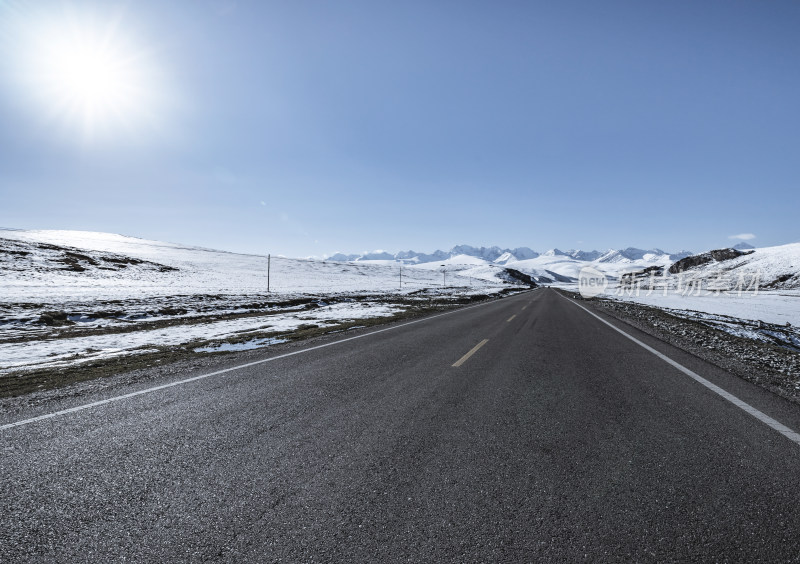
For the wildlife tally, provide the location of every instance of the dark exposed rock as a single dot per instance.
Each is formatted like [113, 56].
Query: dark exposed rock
[630, 278]
[780, 280]
[15, 252]
[650, 270]
[123, 260]
[54, 318]
[517, 276]
[173, 311]
[25, 255]
[694, 261]
[107, 314]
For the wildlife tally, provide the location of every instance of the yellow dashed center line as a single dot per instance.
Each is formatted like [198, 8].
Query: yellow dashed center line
[472, 351]
[510, 318]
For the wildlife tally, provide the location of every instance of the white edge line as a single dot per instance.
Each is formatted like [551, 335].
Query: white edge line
[223, 371]
[761, 416]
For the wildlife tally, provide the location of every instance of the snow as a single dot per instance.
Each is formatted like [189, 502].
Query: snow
[505, 258]
[766, 263]
[84, 273]
[121, 288]
[37, 278]
[457, 260]
[777, 307]
[769, 316]
[553, 265]
[747, 287]
[69, 351]
[486, 254]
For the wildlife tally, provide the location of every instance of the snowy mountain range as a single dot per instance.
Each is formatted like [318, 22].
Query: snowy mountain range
[489, 254]
[497, 255]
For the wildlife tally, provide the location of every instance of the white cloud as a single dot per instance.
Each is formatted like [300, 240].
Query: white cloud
[743, 236]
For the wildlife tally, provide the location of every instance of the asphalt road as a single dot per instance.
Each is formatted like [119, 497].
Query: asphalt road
[558, 439]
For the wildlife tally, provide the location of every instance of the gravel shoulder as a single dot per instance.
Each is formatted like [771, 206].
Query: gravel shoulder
[774, 366]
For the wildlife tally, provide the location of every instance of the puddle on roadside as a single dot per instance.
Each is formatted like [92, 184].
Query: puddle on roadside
[245, 346]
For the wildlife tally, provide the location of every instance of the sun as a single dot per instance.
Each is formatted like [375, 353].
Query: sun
[90, 76]
[88, 73]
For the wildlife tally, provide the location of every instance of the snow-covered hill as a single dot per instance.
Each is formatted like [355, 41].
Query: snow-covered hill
[753, 293]
[753, 285]
[724, 269]
[632, 255]
[767, 267]
[77, 265]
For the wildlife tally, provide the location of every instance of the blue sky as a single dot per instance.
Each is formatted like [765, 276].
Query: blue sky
[305, 128]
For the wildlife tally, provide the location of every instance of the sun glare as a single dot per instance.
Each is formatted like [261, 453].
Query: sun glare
[89, 74]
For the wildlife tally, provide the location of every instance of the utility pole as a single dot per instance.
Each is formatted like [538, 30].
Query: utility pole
[444, 276]
[401, 277]
[269, 261]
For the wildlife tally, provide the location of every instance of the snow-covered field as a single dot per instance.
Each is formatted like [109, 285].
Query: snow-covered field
[41, 353]
[771, 306]
[71, 297]
[769, 315]
[32, 271]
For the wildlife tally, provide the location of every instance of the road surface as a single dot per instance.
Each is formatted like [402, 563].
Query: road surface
[524, 429]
